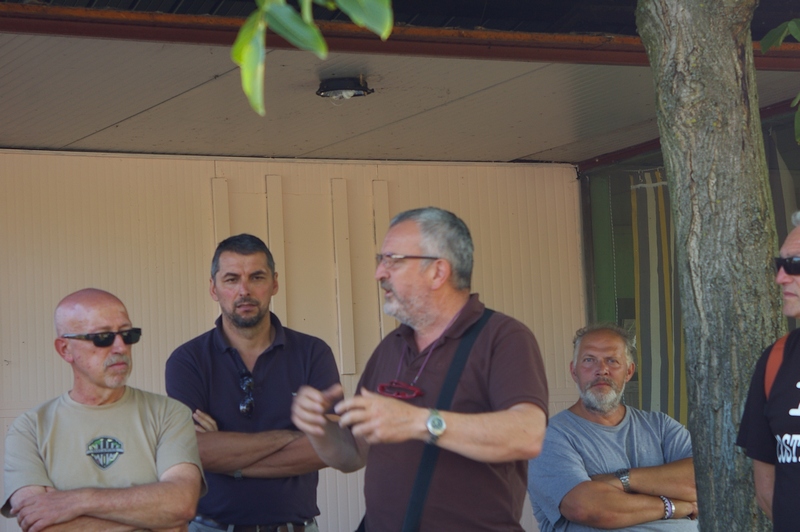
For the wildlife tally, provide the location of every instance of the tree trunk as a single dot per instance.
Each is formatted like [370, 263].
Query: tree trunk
[702, 60]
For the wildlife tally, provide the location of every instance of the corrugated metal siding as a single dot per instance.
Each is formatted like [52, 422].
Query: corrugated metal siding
[144, 228]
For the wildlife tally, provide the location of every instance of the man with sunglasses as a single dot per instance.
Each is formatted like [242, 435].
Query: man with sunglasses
[770, 428]
[103, 456]
[239, 379]
[497, 416]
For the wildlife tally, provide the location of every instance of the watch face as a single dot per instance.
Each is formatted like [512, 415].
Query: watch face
[436, 424]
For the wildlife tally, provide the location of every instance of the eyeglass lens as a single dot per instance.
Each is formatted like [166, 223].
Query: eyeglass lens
[246, 383]
[790, 265]
[106, 339]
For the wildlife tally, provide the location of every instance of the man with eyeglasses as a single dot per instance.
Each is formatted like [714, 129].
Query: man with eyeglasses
[103, 456]
[606, 465]
[770, 428]
[239, 379]
[493, 422]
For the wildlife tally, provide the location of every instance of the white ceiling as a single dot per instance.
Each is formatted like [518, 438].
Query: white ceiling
[67, 93]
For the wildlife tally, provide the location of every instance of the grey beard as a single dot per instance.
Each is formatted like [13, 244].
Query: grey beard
[416, 322]
[603, 404]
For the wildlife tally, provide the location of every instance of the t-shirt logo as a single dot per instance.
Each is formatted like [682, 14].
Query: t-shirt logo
[104, 450]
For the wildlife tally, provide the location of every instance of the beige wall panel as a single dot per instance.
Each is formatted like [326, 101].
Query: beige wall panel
[220, 209]
[382, 217]
[277, 238]
[344, 281]
[247, 199]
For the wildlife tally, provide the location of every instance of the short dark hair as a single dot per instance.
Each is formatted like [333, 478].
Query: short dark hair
[443, 235]
[243, 244]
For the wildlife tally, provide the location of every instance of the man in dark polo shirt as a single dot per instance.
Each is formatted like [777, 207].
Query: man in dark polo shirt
[770, 429]
[495, 422]
[239, 380]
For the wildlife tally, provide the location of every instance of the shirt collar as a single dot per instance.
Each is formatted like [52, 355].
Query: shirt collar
[222, 345]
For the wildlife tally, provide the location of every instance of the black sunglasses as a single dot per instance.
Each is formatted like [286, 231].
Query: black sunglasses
[106, 339]
[246, 383]
[791, 265]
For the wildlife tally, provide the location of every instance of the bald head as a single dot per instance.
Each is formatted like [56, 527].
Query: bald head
[100, 371]
[77, 308]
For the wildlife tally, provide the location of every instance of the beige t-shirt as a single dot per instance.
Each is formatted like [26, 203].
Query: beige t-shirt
[67, 445]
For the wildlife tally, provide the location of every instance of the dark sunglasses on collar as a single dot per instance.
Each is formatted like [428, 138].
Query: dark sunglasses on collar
[106, 339]
[246, 383]
[790, 265]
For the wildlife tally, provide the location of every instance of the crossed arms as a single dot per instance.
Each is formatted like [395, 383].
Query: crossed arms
[168, 504]
[268, 454]
[602, 503]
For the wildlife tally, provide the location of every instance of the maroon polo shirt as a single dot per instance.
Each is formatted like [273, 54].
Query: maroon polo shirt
[504, 368]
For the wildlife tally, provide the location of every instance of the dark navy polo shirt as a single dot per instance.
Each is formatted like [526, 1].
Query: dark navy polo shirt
[204, 372]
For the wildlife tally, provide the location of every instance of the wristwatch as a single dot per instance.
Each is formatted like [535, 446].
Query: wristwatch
[624, 476]
[436, 426]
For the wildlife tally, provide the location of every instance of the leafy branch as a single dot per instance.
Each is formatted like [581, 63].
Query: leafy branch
[774, 39]
[300, 30]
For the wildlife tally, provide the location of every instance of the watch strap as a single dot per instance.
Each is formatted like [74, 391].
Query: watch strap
[624, 476]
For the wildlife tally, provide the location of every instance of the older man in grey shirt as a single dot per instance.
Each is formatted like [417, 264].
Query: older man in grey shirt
[605, 465]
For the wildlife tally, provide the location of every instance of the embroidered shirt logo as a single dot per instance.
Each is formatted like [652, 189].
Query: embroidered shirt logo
[104, 450]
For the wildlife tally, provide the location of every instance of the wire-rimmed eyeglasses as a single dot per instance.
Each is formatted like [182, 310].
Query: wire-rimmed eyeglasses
[390, 259]
[246, 383]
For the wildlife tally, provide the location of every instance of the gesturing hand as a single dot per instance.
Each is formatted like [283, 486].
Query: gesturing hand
[380, 419]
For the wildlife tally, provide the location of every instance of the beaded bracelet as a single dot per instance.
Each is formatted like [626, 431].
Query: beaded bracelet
[669, 507]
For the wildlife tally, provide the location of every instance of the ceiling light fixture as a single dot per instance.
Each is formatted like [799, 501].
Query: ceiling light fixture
[343, 88]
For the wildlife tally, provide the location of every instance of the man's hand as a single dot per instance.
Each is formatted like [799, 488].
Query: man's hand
[310, 407]
[684, 509]
[379, 419]
[674, 480]
[38, 511]
[204, 422]
[334, 444]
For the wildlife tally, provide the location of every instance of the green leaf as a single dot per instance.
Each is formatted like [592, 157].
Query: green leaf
[775, 37]
[375, 15]
[284, 20]
[248, 52]
[794, 28]
[797, 126]
[305, 9]
[330, 4]
[796, 100]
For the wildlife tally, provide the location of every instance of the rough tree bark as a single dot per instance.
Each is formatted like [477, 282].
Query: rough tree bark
[701, 56]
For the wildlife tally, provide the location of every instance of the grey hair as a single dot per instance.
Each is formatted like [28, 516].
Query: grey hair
[627, 337]
[796, 218]
[444, 235]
